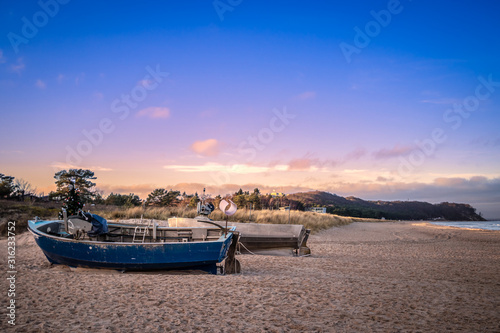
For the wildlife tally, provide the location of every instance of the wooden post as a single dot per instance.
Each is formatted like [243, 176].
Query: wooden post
[65, 218]
[231, 264]
[225, 230]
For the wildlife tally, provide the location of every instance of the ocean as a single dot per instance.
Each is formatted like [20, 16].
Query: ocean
[486, 225]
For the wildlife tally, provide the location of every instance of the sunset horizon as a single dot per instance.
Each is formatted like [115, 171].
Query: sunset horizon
[390, 100]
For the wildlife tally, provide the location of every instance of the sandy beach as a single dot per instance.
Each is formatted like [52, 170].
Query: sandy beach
[364, 277]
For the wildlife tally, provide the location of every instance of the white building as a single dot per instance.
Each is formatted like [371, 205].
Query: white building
[319, 210]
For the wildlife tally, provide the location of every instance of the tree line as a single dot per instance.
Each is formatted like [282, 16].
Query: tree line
[12, 188]
[76, 186]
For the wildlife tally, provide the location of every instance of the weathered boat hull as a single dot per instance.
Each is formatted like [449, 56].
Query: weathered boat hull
[132, 256]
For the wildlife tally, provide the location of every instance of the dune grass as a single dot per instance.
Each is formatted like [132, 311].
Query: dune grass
[21, 212]
[309, 220]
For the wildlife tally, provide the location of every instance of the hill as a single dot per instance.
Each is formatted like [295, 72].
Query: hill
[394, 210]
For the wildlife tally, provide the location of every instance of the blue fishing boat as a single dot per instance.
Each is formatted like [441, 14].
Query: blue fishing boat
[90, 241]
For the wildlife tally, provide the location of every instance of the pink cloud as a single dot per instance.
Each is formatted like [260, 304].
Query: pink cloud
[208, 147]
[18, 67]
[40, 84]
[396, 151]
[354, 155]
[300, 164]
[154, 112]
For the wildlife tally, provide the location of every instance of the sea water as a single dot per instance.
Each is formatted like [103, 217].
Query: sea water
[486, 225]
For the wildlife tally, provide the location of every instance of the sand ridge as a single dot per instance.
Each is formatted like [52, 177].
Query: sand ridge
[364, 277]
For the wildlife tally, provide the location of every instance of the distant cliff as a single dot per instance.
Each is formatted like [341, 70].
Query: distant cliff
[394, 210]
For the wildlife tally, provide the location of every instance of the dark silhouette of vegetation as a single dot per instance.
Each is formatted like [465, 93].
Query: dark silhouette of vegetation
[394, 210]
[6, 185]
[80, 178]
[123, 200]
[162, 197]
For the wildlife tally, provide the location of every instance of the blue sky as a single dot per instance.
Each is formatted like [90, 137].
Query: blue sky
[256, 94]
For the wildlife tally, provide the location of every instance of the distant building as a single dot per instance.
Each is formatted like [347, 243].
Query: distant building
[319, 210]
[275, 194]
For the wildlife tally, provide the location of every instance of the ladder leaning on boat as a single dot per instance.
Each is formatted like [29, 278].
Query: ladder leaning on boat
[141, 230]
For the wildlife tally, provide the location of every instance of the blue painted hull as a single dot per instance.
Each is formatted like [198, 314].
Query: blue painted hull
[132, 256]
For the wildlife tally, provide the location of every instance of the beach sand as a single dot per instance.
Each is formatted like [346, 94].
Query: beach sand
[384, 277]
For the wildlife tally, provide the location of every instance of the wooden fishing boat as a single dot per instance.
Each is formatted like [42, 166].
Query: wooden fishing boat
[257, 237]
[89, 241]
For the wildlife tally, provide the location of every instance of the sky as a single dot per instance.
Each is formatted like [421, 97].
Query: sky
[382, 100]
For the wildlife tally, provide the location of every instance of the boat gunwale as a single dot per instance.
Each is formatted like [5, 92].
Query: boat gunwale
[39, 233]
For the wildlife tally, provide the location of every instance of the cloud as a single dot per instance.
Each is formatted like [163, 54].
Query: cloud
[396, 151]
[40, 84]
[300, 164]
[306, 95]
[354, 155]
[154, 112]
[354, 171]
[208, 147]
[66, 166]
[310, 163]
[18, 67]
[441, 101]
[60, 78]
[79, 78]
[145, 83]
[234, 168]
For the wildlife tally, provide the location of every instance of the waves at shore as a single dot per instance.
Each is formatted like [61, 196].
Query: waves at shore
[487, 225]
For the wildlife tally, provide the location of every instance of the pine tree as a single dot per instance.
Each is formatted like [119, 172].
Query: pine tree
[72, 201]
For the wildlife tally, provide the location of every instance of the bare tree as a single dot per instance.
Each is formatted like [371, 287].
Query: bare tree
[23, 188]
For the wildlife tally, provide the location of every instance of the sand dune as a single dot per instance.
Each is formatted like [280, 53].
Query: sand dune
[390, 277]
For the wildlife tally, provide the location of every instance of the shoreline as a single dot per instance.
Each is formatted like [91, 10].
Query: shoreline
[390, 276]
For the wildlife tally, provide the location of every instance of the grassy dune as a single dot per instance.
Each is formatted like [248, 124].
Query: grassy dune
[310, 220]
[21, 212]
